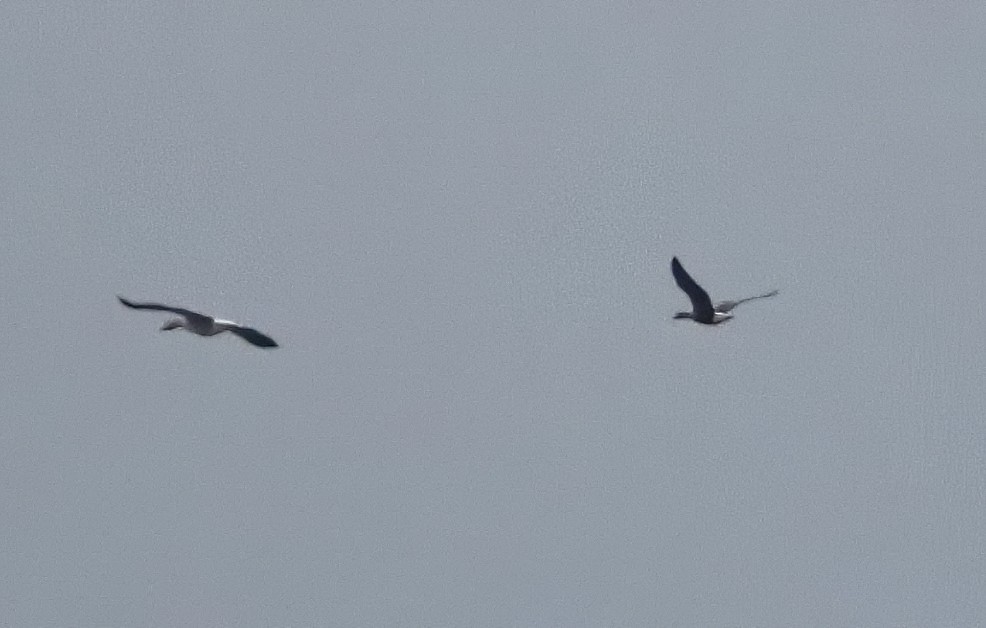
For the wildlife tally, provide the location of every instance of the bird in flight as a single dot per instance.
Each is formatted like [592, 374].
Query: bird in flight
[203, 325]
[702, 309]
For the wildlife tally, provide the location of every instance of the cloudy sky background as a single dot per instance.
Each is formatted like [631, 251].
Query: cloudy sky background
[457, 221]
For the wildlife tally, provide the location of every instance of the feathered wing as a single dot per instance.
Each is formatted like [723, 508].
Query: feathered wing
[701, 303]
[190, 316]
[253, 336]
[727, 306]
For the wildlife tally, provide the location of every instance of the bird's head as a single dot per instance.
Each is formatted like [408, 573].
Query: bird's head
[174, 323]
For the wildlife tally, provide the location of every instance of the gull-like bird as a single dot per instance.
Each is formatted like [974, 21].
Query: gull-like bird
[202, 324]
[702, 309]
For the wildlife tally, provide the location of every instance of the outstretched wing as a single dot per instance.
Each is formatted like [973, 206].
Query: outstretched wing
[727, 306]
[253, 336]
[701, 303]
[190, 316]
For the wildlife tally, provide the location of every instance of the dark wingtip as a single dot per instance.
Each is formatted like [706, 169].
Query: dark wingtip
[124, 301]
[262, 341]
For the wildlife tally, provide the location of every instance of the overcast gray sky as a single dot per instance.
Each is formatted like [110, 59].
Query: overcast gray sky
[457, 219]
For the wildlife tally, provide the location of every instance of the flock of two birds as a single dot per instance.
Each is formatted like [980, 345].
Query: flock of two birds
[703, 311]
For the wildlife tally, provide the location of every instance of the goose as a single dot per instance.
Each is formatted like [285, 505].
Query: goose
[202, 324]
[702, 309]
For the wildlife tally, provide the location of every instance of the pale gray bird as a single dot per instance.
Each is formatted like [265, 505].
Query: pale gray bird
[204, 325]
[702, 309]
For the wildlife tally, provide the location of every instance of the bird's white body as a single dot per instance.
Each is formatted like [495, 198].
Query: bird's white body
[209, 327]
[717, 317]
